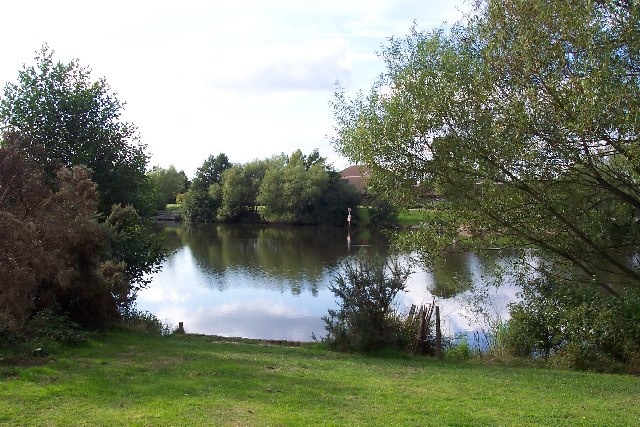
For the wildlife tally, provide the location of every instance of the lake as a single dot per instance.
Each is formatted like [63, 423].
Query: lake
[271, 282]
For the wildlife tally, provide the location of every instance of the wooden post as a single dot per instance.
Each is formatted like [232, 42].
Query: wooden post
[438, 334]
[421, 314]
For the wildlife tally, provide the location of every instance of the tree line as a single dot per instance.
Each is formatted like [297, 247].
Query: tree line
[286, 189]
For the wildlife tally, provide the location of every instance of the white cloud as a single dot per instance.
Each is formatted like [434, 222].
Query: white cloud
[313, 65]
[249, 78]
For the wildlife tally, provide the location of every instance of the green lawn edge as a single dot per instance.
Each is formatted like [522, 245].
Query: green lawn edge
[127, 378]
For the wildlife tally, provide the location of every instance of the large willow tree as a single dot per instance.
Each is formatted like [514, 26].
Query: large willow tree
[525, 118]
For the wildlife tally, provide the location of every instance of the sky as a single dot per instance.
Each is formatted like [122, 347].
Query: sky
[247, 78]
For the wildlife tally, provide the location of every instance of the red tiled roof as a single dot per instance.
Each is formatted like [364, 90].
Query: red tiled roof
[356, 176]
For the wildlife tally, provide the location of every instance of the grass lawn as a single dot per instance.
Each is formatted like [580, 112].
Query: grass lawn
[124, 378]
[411, 217]
[406, 218]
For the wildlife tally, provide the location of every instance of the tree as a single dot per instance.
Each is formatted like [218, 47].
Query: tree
[134, 245]
[290, 193]
[66, 119]
[240, 185]
[211, 171]
[525, 119]
[52, 248]
[204, 198]
[333, 205]
[167, 184]
[366, 319]
[58, 119]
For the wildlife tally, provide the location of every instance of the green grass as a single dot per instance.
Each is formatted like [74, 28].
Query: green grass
[361, 214]
[123, 378]
[405, 218]
[411, 217]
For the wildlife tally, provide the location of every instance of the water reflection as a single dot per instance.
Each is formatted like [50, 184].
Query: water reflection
[281, 258]
[271, 282]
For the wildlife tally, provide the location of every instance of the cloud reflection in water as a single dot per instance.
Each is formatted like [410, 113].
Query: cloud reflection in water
[272, 283]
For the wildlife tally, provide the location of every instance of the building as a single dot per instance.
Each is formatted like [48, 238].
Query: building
[356, 176]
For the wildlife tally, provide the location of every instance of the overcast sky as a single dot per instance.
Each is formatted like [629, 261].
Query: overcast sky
[249, 78]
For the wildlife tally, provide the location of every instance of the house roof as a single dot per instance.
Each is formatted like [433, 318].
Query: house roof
[357, 176]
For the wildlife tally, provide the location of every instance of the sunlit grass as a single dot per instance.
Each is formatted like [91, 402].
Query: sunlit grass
[411, 217]
[132, 379]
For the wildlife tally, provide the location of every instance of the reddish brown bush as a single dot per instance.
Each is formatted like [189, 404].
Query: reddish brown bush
[52, 248]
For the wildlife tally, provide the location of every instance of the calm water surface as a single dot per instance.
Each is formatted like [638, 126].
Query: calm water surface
[271, 282]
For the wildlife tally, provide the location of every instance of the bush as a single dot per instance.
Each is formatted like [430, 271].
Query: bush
[143, 321]
[50, 328]
[381, 210]
[366, 319]
[42, 334]
[576, 326]
[459, 350]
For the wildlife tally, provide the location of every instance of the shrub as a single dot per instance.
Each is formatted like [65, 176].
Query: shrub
[51, 327]
[459, 349]
[366, 319]
[41, 334]
[576, 326]
[143, 321]
[382, 211]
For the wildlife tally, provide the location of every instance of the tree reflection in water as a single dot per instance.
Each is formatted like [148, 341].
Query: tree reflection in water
[260, 281]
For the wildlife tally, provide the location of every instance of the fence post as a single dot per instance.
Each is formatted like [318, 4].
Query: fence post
[438, 334]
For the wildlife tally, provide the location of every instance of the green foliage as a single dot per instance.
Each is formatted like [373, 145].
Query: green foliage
[296, 189]
[67, 159]
[211, 172]
[143, 321]
[333, 205]
[204, 198]
[167, 185]
[381, 210]
[459, 349]
[47, 329]
[63, 118]
[361, 214]
[199, 206]
[503, 116]
[290, 193]
[583, 328]
[303, 190]
[46, 332]
[133, 243]
[240, 186]
[498, 344]
[523, 119]
[366, 319]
